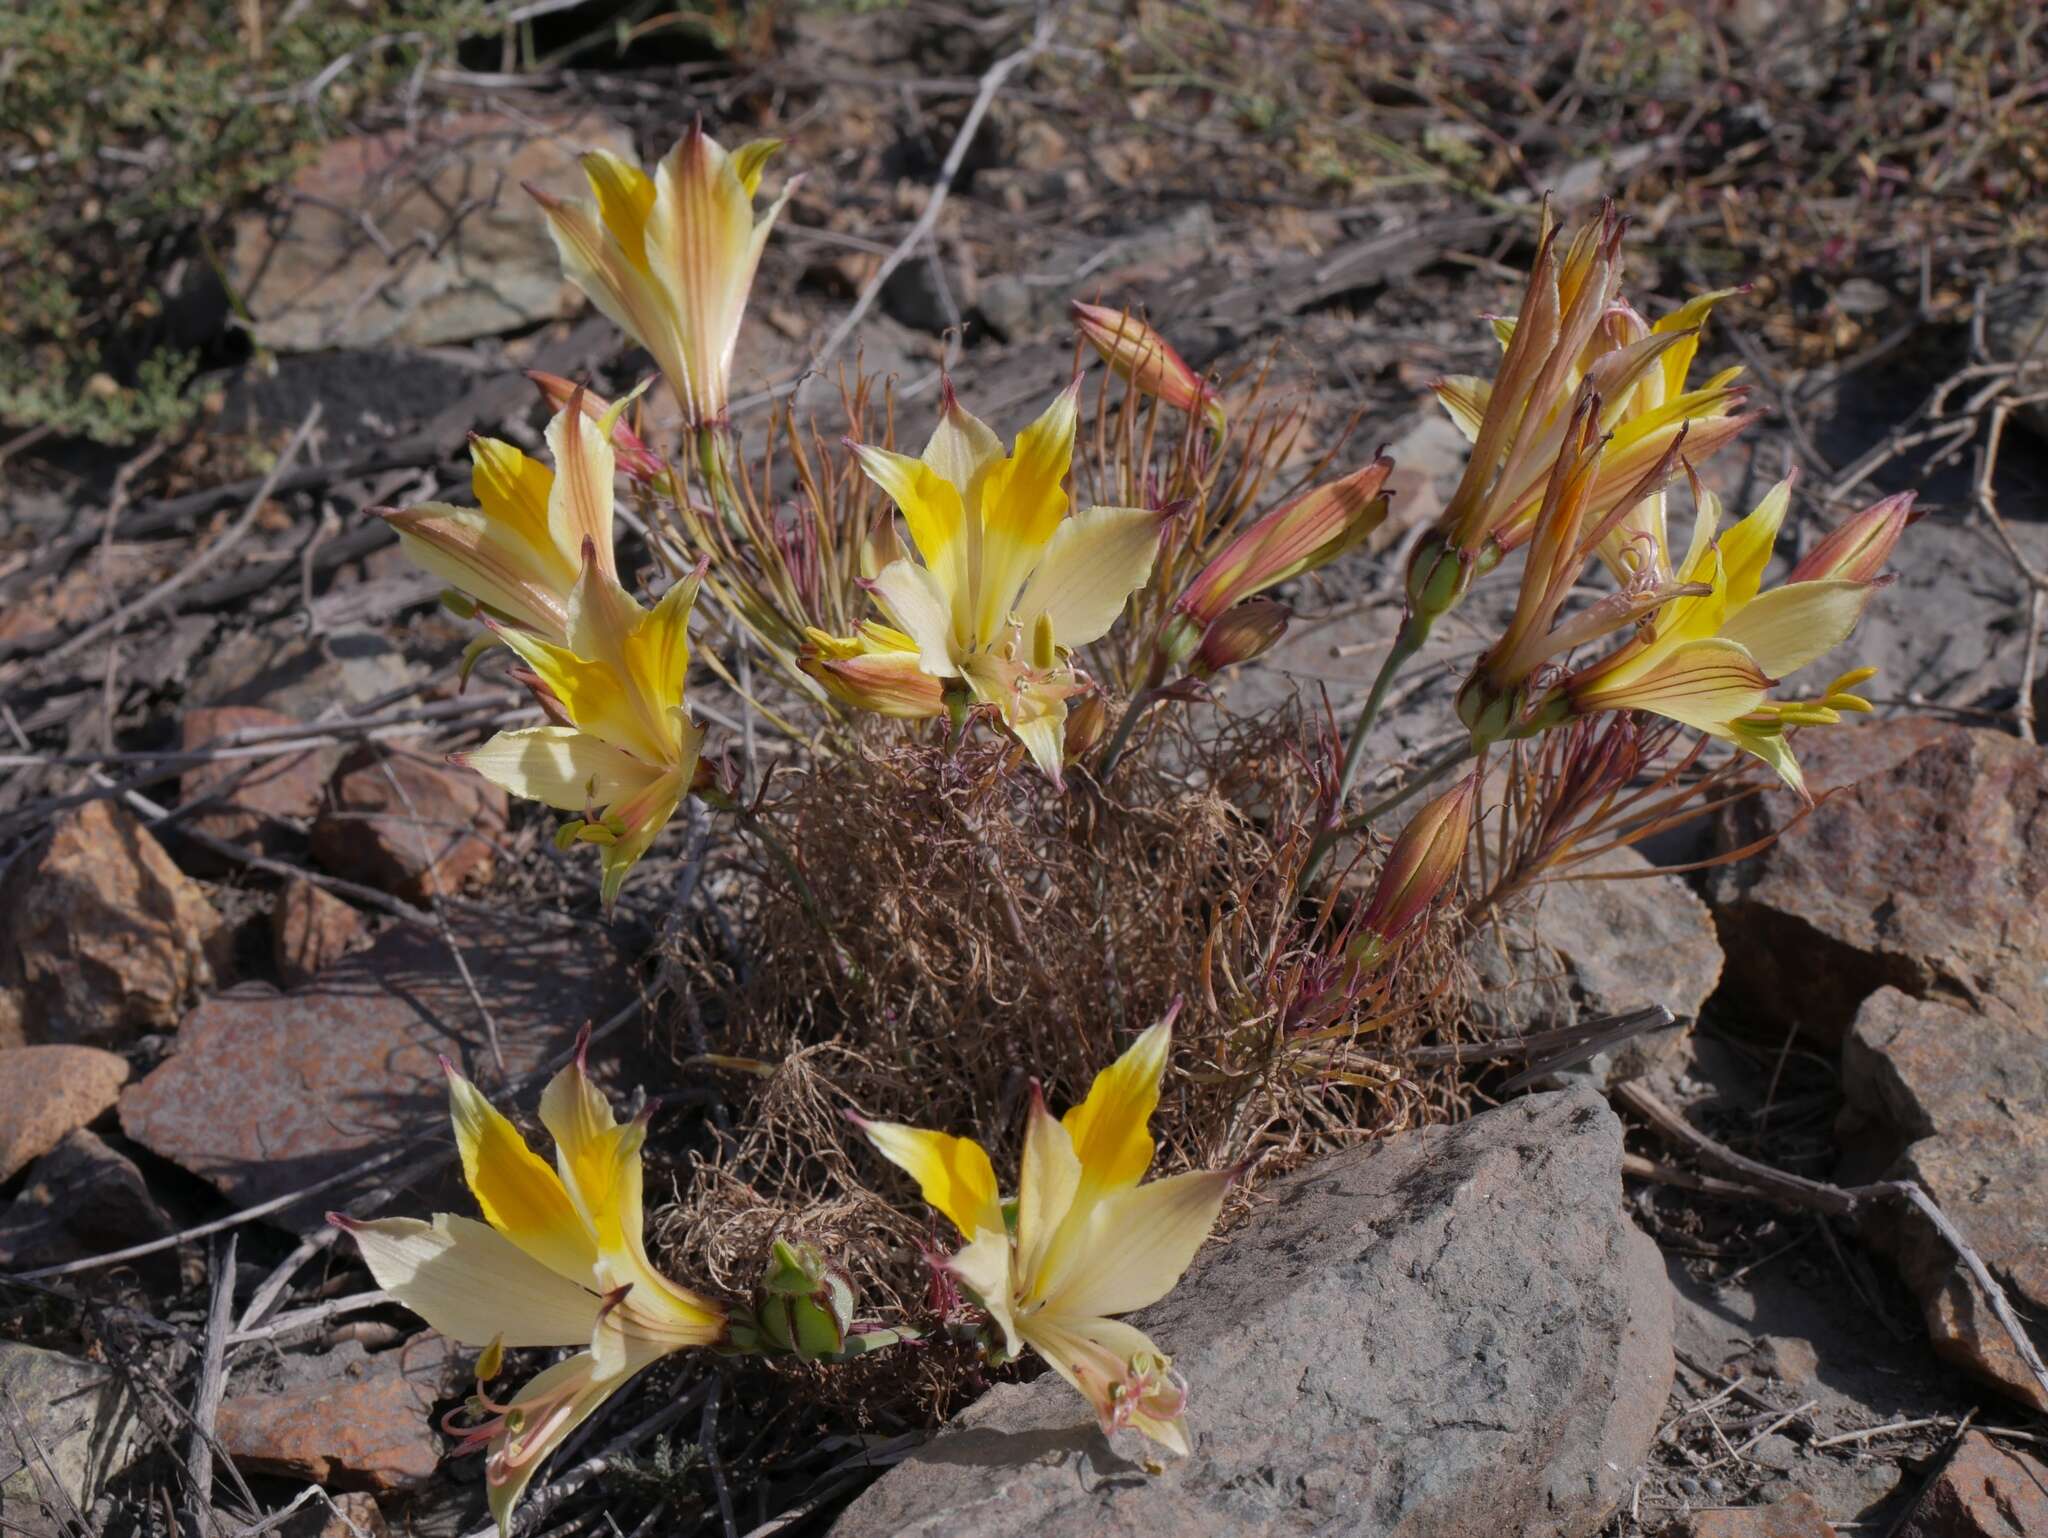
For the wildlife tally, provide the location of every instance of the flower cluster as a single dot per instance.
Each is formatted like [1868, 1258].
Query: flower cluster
[985, 588]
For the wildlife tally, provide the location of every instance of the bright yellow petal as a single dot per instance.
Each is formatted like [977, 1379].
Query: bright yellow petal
[588, 1140]
[472, 1284]
[625, 197]
[1746, 548]
[1788, 627]
[751, 159]
[646, 814]
[560, 766]
[1046, 1183]
[1023, 499]
[596, 697]
[513, 490]
[1775, 749]
[915, 599]
[954, 1173]
[1109, 1128]
[1689, 316]
[1137, 1244]
[520, 1196]
[932, 508]
[1093, 563]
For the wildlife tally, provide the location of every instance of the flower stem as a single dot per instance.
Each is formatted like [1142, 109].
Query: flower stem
[1115, 751]
[1427, 775]
[1407, 642]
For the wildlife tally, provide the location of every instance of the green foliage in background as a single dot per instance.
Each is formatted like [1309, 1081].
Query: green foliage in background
[129, 131]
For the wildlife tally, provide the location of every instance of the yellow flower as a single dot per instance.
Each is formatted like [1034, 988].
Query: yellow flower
[624, 750]
[1709, 657]
[558, 1261]
[670, 258]
[1088, 1240]
[1008, 582]
[520, 550]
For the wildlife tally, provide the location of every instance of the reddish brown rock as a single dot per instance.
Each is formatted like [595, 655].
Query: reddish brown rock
[310, 930]
[318, 271]
[81, 1198]
[1927, 872]
[102, 935]
[45, 1092]
[252, 801]
[1958, 1101]
[368, 1426]
[1798, 1515]
[409, 825]
[269, 1092]
[1987, 1490]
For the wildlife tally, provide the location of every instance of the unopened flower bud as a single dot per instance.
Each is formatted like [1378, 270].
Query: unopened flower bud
[805, 1303]
[1300, 535]
[1424, 860]
[1250, 630]
[1858, 549]
[1087, 720]
[1437, 578]
[1146, 360]
[1489, 712]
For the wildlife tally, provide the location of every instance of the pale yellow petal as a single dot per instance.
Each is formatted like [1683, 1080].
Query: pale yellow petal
[1775, 749]
[1465, 397]
[560, 766]
[630, 297]
[580, 501]
[1137, 1244]
[699, 244]
[962, 448]
[472, 1284]
[1093, 563]
[1046, 1183]
[1701, 684]
[915, 601]
[551, 1407]
[475, 555]
[983, 1266]
[954, 1173]
[520, 1196]
[1788, 627]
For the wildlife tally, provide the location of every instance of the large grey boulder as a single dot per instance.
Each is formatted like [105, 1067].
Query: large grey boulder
[1454, 1332]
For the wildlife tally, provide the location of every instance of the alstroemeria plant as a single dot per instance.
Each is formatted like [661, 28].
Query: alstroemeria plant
[1007, 581]
[1083, 1240]
[559, 1260]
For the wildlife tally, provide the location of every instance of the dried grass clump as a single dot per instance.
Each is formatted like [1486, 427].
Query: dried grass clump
[932, 930]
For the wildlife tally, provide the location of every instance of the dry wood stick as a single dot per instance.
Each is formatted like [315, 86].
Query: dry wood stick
[213, 1387]
[1805, 1195]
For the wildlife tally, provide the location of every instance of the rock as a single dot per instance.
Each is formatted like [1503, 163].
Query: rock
[81, 1198]
[1959, 1101]
[417, 235]
[66, 1428]
[409, 826]
[1926, 873]
[1985, 1490]
[1455, 1332]
[254, 800]
[367, 1424]
[1587, 948]
[2016, 328]
[103, 935]
[268, 1092]
[46, 1092]
[299, 675]
[311, 930]
[1796, 1516]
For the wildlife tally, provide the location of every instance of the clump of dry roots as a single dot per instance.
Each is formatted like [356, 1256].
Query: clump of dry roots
[931, 930]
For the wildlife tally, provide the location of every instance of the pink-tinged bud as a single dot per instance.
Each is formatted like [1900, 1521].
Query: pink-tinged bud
[1858, 549]
[1250, 630]
[1147, 361]
[1310, 531]
[1424, 860]
[889, 683]
[634, 456]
